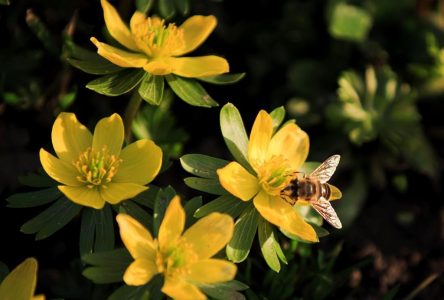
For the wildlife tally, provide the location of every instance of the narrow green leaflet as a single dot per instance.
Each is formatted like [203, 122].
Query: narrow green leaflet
[118, 83]
[134, 210]
[166, 9]
[37, 180]
[33, 199]
[151, 291]
[227, 204]
[190, 91]
[161, 203]
[350, 22]
[269, 246]
[190, 208]
[208, 185]
[234, 134]
[87, 231]
[223, 79]
[107, 267]
[52, 219]
[151, 88]
[104, 229]
[183, 6]
[5, 2]
[42, 32]
[148, 197]
[144, 5]
[202, 165]
[277, 115]
[225, 290]
[244, 232]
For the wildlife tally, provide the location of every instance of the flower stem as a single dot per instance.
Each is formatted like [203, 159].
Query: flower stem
[130, 114]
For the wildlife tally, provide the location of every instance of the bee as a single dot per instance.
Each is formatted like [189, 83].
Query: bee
[315, 190]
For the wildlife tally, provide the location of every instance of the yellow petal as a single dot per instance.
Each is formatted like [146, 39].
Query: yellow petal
[196, 30]
[335, 192]
[21, 282]
[238, 181]
[136, 238]
[200, 66]
[70, 137]
[292, 143]
[159, 67]
[58, 169]
[83, 195]
[116, 27]
[141, 162]
[260, 137]
[212, 271]
[172, 224]
[139, 29]
[38, 297]
[140, 272]
[120, 57]
[181, 290]
[280, 213]
[116, 192]
[210, 234]
[109, 133]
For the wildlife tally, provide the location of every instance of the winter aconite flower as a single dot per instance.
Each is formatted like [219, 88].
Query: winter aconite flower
[93, 169]
[274, 158]
[20, 283]
[183, 258]
[157, 47]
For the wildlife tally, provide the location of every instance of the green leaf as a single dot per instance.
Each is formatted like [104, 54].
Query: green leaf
[190, 91]
[266, 241]
[118, 83]
[208, 185]
[349, 22]
[161, 203]
[183, 6]
[166, 9]
[151, 88]
[190, 208]
[134, 210]
[148, 197]
[234, 134]
[52, 219]
[277, 115]
[224, 290]
[144, 5]
[104, 229]
[320, 231]
[392, 293]
[33, 199]
[223, 79]
[243, 235]
[4, 271]
[202, 165]
[37, 180]
[5, 2]
[41, 31]
[107, 267]
[87, 231]
[227, 204]
[150, 291]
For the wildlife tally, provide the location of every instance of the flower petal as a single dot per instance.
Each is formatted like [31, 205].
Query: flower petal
[210, 234]
[58, 169]
[278, 212]
[292, 143]
[116, 27]
[70, 137]
[172, 224]
[196, 30]
[212, 271]
[116, 192]
[83, 195]
[159, 67]
[120, 57]
[238, 181]
[200, 66]
[335, 192]
[140, 272]
[109, 133]
[21, 282]
[136, 238]
[260, 137]
[179, 289]
[141, 162]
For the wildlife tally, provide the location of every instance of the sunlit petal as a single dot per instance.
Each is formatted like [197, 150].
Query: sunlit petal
[173, 224]
[196, 30]
[238, 181]
[116, 192]
[200, 66]
[83, 196]
[141, 162]
[140, 272]
[109, 133]
[120, 57]
[70, 137]
[181, 290]
[158, 67]
[335, 192]
[212, 271]
[260, 137]
[292, 143]
[59, 170]
[278, 212]
[21, 282]
[210, 234]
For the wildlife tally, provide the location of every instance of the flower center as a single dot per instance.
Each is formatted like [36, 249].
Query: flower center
[96, 168]
[174, 261]
[274, 175]
[157, 39]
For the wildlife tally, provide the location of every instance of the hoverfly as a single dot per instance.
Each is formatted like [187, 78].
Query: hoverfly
[315, 190]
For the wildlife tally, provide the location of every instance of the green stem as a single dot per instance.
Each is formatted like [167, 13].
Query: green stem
[130, 114]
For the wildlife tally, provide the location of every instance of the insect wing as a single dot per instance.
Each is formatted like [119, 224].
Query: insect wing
[324, 208]
[324, 172]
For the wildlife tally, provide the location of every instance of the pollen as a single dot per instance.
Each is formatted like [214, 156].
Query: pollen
[175, 260]
[96, 168]
[274, 174]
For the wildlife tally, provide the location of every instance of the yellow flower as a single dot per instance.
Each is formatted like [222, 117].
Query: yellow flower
[274, 158]
[20, 283]
[93, 168]
[183, 259]
[156, 47]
